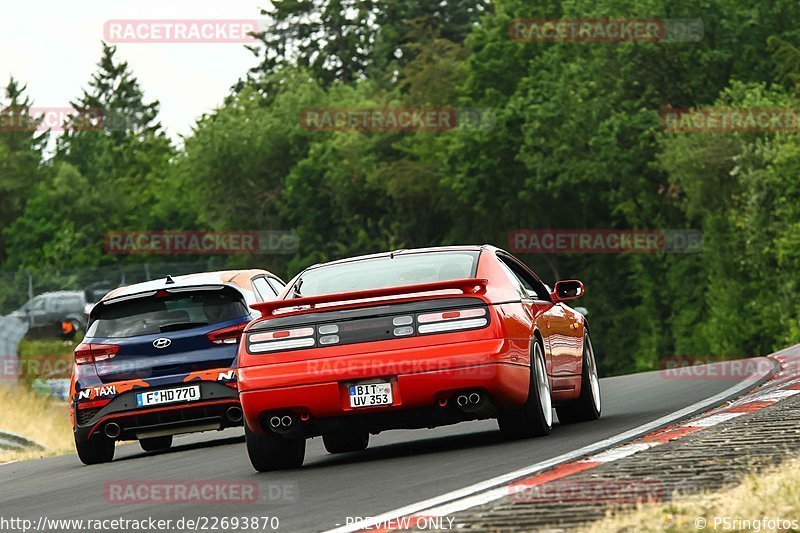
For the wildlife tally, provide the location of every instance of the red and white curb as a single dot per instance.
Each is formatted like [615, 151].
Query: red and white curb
[781, 384]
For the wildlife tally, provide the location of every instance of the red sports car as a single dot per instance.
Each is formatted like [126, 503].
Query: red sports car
[412, 339]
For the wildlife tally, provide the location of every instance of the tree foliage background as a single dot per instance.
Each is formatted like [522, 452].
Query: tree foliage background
[574, 141]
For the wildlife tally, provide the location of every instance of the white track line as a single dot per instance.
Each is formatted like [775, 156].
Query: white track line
[480, 493]
[779, 394]
[621, 452]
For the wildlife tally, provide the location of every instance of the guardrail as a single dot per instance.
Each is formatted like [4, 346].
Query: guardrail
[11, 332]
[12, 441]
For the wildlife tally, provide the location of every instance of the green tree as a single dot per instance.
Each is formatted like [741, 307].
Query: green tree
[742, 188]
[348, 40]
[110, 174]
[125, 155]
[21, 156]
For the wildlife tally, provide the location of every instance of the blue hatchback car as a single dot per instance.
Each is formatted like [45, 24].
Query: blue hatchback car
[159, 360]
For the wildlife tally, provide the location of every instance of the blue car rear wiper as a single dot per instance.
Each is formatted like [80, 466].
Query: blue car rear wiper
[180, 325]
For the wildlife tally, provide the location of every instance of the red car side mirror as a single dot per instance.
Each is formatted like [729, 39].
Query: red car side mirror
[570, 289]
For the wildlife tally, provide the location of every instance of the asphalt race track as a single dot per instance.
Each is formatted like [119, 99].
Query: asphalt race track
[399, 468]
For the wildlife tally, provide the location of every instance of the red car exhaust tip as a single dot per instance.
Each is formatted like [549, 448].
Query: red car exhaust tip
[281, 424]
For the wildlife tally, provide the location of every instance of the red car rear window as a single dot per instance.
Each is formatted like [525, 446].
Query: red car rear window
[387, 271]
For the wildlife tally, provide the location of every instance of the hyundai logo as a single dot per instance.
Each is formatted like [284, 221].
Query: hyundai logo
[162, 343]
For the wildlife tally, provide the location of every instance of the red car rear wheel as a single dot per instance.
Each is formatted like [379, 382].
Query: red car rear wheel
[587, 406]
[535, 418]
[269, 451]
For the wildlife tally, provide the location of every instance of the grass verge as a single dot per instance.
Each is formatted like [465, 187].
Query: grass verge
[45, 359]
[774, 494]
[35, 417]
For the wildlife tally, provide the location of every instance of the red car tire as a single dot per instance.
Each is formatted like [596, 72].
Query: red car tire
[587, 406]
[535, 418]
[269, 451]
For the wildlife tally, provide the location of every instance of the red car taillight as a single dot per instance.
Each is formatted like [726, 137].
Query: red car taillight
[229, 335]
[88, 353]
[368, 328]
[452, 320]
[288, 339]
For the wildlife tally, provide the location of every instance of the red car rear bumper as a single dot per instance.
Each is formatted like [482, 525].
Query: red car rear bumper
[421, 377]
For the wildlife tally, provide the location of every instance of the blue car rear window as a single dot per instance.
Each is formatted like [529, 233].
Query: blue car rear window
[154, 314]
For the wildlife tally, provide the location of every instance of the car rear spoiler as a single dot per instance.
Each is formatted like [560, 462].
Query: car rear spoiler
[466, 286]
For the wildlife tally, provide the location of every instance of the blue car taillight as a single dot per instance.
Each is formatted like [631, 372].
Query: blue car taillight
[229, 335]
[88, 353]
